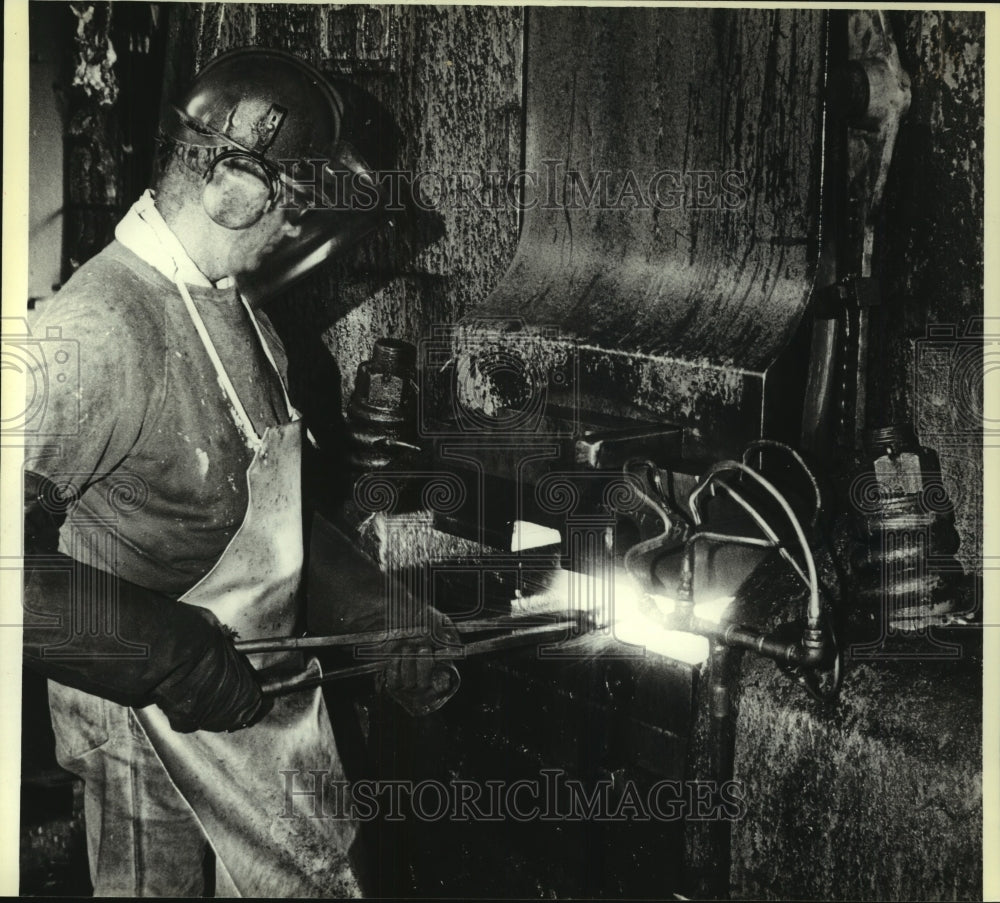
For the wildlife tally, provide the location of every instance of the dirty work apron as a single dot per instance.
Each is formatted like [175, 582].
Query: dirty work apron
[267, 840]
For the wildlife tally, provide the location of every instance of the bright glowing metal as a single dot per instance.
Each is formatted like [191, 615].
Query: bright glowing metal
[713, 610]
[676, 644]
[626, 610]
[527, 535]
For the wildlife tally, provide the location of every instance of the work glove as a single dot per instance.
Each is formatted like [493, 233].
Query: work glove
[416, 677]
[340, 571]
[220, 691]
[190, 667]
[160, 649]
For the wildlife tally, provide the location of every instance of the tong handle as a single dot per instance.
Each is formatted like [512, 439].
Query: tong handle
[308, 679]
[292, 643]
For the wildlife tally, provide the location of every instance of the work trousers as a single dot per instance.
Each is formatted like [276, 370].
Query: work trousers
[143, 839]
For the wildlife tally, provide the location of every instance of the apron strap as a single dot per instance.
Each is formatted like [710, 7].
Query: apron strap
[243, 420]
[293, 412]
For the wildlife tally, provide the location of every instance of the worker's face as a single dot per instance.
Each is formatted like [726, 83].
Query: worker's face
[253, 245]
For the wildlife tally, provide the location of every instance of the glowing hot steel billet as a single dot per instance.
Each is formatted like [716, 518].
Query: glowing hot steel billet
[632, 616]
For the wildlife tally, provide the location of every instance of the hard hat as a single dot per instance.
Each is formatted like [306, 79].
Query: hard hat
[263, 111]
[266, 102]
[272, 125]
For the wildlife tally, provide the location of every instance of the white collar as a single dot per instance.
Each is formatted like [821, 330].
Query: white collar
[146, 234]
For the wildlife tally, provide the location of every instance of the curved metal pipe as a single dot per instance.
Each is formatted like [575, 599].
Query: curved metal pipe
[765, 527]
[792, 453]
[814, 614]
[647, 545]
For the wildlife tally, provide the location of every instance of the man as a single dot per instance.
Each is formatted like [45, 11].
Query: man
[163, 516]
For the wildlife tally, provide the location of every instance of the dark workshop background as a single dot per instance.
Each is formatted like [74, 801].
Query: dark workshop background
[442, 87]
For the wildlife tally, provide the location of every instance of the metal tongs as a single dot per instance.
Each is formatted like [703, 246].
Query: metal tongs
[520, 630]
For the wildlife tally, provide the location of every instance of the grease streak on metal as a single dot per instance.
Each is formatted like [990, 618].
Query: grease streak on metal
[702, 300]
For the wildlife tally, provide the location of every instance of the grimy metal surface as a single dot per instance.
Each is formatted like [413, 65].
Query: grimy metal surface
[698, 134]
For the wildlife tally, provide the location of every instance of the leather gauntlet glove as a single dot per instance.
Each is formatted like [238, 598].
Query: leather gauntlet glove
[153, 648]
[340, 571]
[218, 692]
[420, 682]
